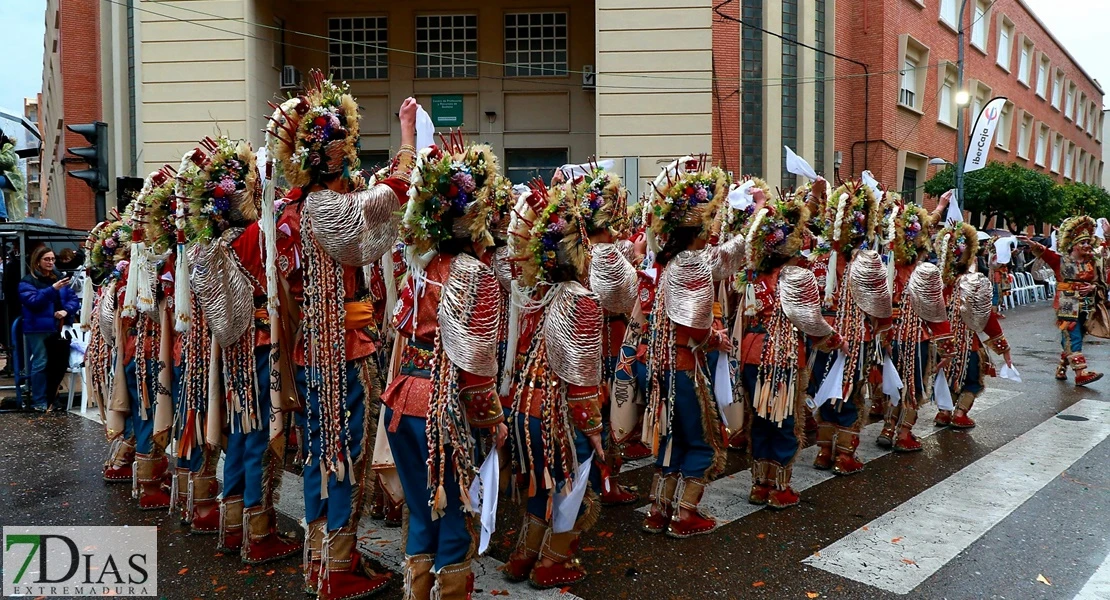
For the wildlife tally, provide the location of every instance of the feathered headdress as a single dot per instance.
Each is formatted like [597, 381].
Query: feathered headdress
[688, 193]
[152, 209]
[778, 229]
[1075, 230]
[548, 236]
[450, 195]
[315, 133]
[956, 246]
[603, 200]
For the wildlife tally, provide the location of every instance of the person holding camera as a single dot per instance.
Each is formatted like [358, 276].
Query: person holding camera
[47, 303]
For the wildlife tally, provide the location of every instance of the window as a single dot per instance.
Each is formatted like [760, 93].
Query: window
[536, 44]
[909, 183]
[819, 89]
[946, 102]
[1042, 76]
[1081, 168]
[1042, 145]
[912, 54]
[1057, 88]
[1068, 152]
[524, 164]
[1025, 60]
[357, 48]
[980, 95]
[1057, 149]
[1092, 119]
[1005, 35]
[1098, 126]
[1080, 108]
[446, 46]
[789, 125]
[980, 24]
[1024, 135]
[948, 12]
[1069, 101]
[1005, 127]
[751, 95]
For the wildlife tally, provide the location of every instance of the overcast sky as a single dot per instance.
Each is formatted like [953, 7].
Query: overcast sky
[1081, 26]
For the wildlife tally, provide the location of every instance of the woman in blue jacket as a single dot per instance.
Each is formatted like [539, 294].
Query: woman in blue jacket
[47, 302]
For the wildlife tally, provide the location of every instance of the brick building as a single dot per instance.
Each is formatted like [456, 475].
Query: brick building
[71, 94]
[1052, 120]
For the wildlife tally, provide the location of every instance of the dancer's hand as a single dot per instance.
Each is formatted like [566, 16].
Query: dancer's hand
[595, 441]
[407, 114]
[944, 363]
[1009, 361]
[500, 434]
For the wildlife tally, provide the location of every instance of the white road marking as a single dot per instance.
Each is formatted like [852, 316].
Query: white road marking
[727, 498]
[1098, 586]
[901, 549]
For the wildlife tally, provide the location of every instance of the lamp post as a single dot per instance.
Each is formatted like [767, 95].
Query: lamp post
[961, 102]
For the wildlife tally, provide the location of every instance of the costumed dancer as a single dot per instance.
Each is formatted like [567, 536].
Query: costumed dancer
[856, 291]
[108, 249]
[602, 200]
[1077, 279]
[920, 323]
[970, 313]
[681, 422]
[782, 320]
[444, 391]
[146, 311]
[330, 226]
[556, 394]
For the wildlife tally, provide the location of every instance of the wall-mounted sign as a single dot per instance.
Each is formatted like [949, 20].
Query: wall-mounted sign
[447, 110]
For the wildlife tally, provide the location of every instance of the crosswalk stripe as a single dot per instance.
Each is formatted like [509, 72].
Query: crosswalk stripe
[901, 549]
[727, 498]
[1098, 586]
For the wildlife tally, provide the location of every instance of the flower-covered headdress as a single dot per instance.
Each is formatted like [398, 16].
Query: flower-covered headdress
[688, 193]
[956, 245]
[501, 208]
[852, 217]
[911, 225]
[778, 229]
[604, 202]
[1075, 230]
[450, 195]
[316, 133]
[218, 186]
[548, 236]
[156, 203]
[734, 221]
[107, 250]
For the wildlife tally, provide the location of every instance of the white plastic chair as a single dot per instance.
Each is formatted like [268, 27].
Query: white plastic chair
[1009, 299]
[1050, 281]
[1036, 288]
[1024, 285]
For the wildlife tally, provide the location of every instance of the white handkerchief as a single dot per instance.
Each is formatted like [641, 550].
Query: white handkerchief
[798, 165]
[1011, 373]
[955, 215]
[722, 386]
[573, 171]
[651, 273]
[485, 486]
[566, 504]
[941, 392]
[892, 383]
[832, 388]
[425, 130]
[871, 183]
[740, 197]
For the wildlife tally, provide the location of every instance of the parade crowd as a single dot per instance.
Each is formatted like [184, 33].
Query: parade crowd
[432, 336]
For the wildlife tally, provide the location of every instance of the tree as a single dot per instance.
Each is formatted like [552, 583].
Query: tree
[1022, 196]
[1084, 199]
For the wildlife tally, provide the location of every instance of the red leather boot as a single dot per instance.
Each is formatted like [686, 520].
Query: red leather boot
[313, 554]
[960, 420]
[419, 579]
[453, 582]
[179, 494]
[782, 495]
[878, 407]
[345, 575]
[846, 462]
[663, 489]
[394, 510]
[150, 474]
[527, 550]
[1062, 368]
[761, 488]
[635, 450]
[121, 457]
[262, 543]
[231, 525]
[688, 519]
[558, 565]
[826, 433]
[1083, 375]
[907, 441]
[204, 504]
[890, 427]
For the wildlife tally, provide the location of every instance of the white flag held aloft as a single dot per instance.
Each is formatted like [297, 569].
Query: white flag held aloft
[982, 135]
[1003, 247]
[573, 171]
[871, 183]
[425, 131]
[798, 165]
[740, 197]
[954, 215]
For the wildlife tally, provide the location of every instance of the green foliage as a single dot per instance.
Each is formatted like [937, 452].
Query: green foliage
[1021, 195]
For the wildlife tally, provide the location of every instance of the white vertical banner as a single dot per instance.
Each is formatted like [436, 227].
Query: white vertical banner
[982, 135]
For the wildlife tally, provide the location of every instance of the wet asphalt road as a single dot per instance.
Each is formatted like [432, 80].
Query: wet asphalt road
[50, 475]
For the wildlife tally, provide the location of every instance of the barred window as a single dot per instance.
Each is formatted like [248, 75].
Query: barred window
[751, 95]
[536, 44]
[789, 81]
[446, 46]
[357, 48]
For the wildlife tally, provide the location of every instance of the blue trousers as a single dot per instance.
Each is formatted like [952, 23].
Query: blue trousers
[245, 452]
[36, 349]
[1071, 340]
[537, 505]
[971, 382]
[690, 453]
[770, 440]
[841, 413]
[144, 428]
[196, 458]
[337, 507]
[447, 537]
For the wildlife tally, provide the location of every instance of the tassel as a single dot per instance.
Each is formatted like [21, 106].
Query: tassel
[144, 279]
[128, 310]
[182, 304]
[890, 271]
[390, 284]
[830, 278]
[88, 296]
[268, 225]
[513, 341]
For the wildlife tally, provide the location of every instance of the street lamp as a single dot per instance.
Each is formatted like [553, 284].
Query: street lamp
[962, 98]
[961, 101]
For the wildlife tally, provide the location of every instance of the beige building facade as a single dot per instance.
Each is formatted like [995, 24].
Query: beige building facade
[544, 83]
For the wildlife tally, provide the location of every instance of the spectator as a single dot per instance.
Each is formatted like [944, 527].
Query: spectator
[10, 309]
[47, 302]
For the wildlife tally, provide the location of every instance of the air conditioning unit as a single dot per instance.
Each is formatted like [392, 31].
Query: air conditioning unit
[290, 77]
[589, 77]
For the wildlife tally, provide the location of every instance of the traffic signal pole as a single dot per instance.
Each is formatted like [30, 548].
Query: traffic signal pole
[95, 156]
